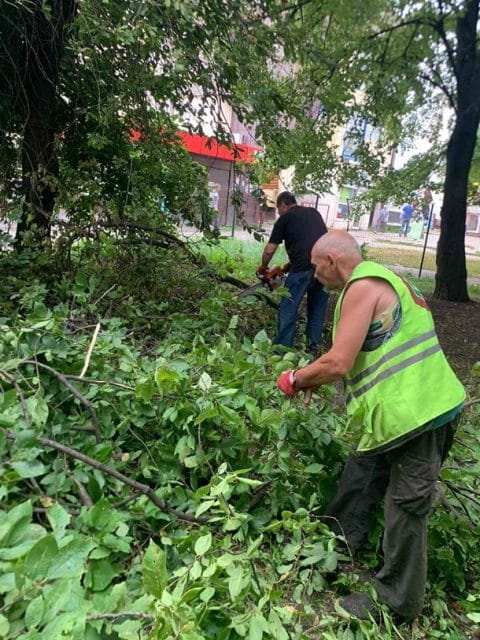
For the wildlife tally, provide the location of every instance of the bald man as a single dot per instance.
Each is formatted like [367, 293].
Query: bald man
[402, 401]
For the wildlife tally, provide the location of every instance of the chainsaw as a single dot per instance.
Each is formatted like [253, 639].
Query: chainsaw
[271, 279]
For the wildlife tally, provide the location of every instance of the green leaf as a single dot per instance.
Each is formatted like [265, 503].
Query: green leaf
[191, 462]
[145, 390]
[203, 544]
[235, 581]
[69, 560]
[154, 570]
[204, 506]
[29, 469]
[7, 420]
[233, 322]
[40, 558]
[38, 410]
[276, 628]
[4, 626]
[102, 516]
[7, 582]
[254, 546]
[14, 523]
[196, 570]
[314, 468]
[205, 381]
[207, 594]
[34, 612]
[474, 617]
[257, 627]
[164, 375]
[58, 517]
[102, 574]
[3, 442]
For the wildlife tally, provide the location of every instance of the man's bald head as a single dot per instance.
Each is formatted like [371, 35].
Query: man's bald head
[334, 256]
[338, 243]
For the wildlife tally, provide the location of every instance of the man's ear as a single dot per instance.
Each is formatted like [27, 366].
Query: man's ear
[331, 260]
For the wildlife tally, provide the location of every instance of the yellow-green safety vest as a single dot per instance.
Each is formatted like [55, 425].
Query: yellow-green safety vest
[406, 382]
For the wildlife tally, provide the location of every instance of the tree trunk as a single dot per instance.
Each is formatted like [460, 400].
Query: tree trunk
[451, 276]
[44, 43]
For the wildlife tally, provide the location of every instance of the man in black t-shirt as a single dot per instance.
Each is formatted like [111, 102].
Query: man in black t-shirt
[299, 227]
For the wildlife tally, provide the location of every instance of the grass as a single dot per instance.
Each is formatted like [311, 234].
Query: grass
[242, 257]
[411, 259]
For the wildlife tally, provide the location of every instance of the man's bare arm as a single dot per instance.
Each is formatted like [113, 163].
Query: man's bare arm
[268, 253]
[357, 313]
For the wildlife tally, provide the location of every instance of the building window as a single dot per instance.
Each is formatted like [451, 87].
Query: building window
[357, 132]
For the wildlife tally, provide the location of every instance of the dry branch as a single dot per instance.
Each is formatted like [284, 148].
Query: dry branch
[90, 350]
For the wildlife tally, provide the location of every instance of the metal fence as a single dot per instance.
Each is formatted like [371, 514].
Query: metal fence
[411, 250]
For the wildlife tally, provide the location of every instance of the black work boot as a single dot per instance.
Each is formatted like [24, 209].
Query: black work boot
[358, 605]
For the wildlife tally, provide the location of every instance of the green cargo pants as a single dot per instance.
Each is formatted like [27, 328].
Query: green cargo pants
[406, 477]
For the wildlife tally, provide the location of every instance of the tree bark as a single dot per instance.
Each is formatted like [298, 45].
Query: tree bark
[451, 276]
[44, 35]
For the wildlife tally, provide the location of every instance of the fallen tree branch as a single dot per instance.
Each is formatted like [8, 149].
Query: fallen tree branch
[258, 495]
[170, 238]
[442, 499]
[458, 496]
[75, 392]
[119, 385]
[124, 614]
[471, 402]
[138, 486]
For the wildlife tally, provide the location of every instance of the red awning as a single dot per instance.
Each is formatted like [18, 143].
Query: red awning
[204, 146]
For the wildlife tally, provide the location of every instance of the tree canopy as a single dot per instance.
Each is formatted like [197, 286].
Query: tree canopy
[78, 78]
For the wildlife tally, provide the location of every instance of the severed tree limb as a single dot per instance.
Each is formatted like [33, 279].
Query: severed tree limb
[113, 617]
[258, 495]
[86, 403]
[82, 492]
[169, 239]
[119, 385]
[442, 499]
[458, 496]
[470, 402]
[144, 489]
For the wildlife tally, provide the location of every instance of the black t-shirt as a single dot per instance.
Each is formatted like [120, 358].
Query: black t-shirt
[299, 228]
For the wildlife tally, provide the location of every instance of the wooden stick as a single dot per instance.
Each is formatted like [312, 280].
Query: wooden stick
[90, 349]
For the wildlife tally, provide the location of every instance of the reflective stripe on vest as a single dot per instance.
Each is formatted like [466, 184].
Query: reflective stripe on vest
[393, 369]
[395, 352]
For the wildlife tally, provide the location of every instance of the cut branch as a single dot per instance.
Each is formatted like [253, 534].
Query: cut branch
[88, 405]
[113, 617]
[138, 486]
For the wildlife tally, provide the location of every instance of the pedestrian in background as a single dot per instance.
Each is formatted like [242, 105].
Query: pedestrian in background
[407, 213]
[382, 219]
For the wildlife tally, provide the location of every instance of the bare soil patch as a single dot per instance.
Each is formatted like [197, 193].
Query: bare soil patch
[458, 329]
